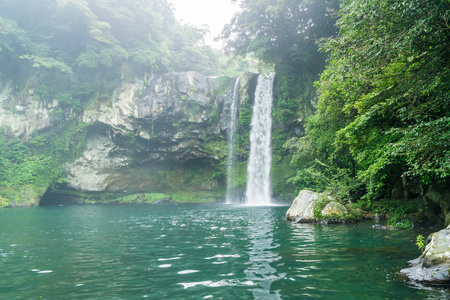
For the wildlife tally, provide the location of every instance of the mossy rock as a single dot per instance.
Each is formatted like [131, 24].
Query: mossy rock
[335, 212]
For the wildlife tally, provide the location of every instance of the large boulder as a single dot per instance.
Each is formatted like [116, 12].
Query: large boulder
[334, 212]
[302, 209]
[433, 266]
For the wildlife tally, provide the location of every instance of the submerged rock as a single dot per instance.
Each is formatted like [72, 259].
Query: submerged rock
[433, 266]
[166, 201]
[302, 209]
[382, 227]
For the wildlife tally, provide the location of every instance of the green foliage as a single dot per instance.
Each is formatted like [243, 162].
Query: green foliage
[399, 220]
[294, 90]
[244, 121]
[280, 32]
[196, 197]
[245, 115]
[320, 205]
[83, 47]
[47, 63]
[140, 198]
[386, 84]
[202, 59]
[240, 175]
[4, 202]
[16, 151]
[281, 171]
[66, 101]
[217, 149]
[42, 93]
[383, 106]
[28, 169]
[337, 182]
[23, 167]
[235, 65]
[420, 242]
[221, 84]
[399, 209]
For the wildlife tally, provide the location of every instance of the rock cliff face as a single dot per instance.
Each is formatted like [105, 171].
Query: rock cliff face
[164, 132]
[92, 171]
[21, 114]
[172, 111]
[166, 122]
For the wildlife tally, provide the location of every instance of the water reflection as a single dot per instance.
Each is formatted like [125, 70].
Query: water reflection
[197, 252]
[262, 254]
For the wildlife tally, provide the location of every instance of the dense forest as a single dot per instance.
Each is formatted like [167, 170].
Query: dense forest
[87, 46]
[78, 53]
[361, 106]
[378, 132]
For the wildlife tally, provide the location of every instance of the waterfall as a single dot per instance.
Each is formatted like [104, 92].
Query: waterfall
[232, 196]
[258, 170]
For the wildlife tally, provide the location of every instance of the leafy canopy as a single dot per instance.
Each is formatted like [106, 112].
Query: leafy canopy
[388, 84]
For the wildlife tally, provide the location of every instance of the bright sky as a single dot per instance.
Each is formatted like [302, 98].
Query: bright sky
[214, 13]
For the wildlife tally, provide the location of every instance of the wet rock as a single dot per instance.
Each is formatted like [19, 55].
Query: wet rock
[302, 209]
[166, 201]
[433, 266]
[414, 187]
[436, 202]
[382, 227]
[398, 191]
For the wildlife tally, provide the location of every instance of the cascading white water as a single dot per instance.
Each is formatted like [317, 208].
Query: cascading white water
[258, 170]
[232, 196]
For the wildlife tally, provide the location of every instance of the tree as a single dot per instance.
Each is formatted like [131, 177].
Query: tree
[283, 34]
[87, 47]
[387, 81]
[281, 31]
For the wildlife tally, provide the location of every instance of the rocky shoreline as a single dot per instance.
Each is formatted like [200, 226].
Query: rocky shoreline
[312, 207]
[432, 267]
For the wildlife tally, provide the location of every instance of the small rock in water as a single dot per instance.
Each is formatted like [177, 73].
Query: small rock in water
[377, 226]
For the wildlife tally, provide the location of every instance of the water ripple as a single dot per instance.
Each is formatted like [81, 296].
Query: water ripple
[195, 252]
